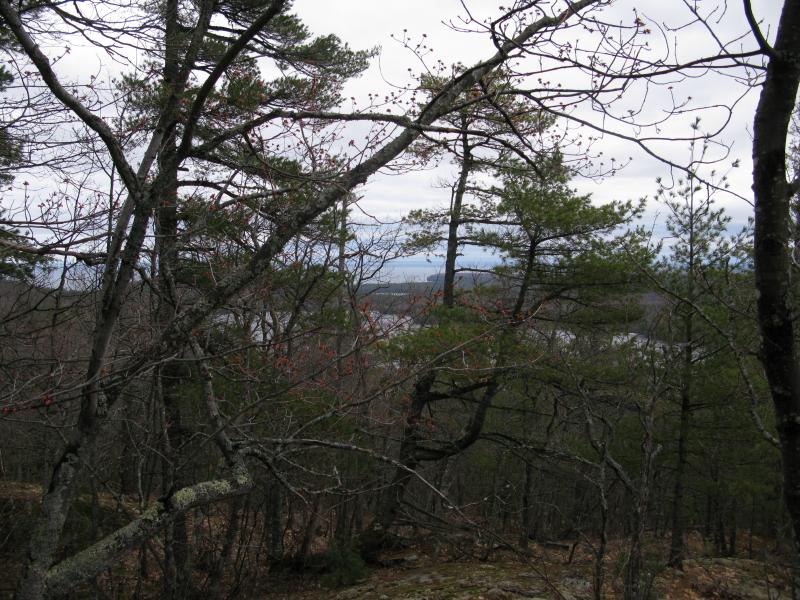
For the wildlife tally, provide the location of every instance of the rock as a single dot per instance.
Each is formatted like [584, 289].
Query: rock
[577, 583]
[730, 563]
[498, 594]
[400, 561]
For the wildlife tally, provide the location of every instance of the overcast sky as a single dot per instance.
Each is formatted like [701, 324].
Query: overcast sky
[367, 24]
[364, 24]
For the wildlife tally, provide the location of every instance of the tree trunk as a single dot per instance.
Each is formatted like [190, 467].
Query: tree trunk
[599, 572]
[634, 588]
[215, 590]
[275, 526]
[392, 496]
[527, 509]
[773, 263]
[448, 292]
[676, 547]
[310, 531]
[676, 550]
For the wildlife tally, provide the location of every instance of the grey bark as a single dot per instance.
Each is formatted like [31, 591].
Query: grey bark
[41, 577]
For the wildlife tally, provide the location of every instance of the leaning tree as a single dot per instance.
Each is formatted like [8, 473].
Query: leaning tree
[200, 108]
[235, 105]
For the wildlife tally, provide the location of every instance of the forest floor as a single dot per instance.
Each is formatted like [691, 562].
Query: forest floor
[462, 570]
[505, 577]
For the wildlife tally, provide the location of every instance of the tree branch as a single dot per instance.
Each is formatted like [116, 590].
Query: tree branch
[93, 121]
[754, 27]
[222, 65]
[92, 561]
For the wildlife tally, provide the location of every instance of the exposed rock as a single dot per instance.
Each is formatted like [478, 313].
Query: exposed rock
[498, 594]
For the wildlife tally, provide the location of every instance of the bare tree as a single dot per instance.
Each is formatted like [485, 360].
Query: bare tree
[176, 139]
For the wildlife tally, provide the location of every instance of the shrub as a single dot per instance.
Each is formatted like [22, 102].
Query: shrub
[344, 566]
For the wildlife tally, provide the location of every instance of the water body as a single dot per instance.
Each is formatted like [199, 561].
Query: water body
[421, 270]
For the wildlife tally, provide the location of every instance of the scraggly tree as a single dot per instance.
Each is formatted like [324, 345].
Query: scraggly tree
[220, 131]
[191, 126]
[554, 244]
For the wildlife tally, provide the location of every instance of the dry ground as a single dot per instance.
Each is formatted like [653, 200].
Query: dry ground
[505, 577]
[447, 572]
